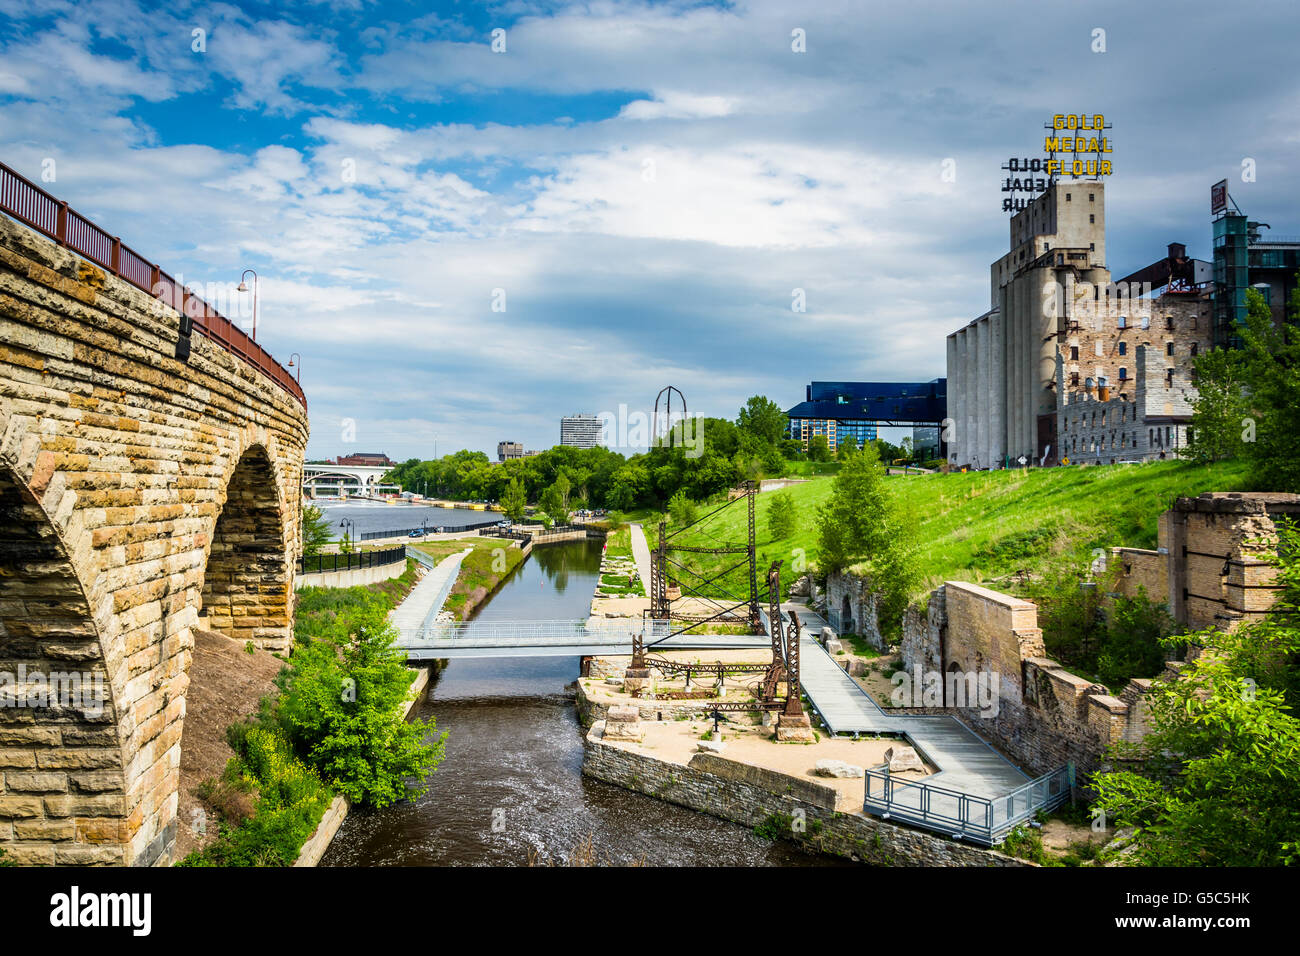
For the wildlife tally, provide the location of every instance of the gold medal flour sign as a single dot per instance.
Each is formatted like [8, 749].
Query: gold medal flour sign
[1076, 145]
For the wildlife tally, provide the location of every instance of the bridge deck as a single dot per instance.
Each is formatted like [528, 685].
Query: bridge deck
[965, 761]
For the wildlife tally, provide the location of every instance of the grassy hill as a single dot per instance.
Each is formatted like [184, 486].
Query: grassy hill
[981, 526]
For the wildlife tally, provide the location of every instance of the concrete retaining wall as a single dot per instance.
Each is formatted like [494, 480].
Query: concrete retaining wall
[347, 579]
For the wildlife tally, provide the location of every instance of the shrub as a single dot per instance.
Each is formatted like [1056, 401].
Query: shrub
[291, 801]
[341, 708]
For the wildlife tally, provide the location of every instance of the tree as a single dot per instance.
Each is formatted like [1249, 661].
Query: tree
[341, 708]
[1247, 398]
[782, 514]
[555, 500]
[819, 448]
[682, 509]
[1220, 407]
[1273, 379]
[513, 500]
[1215, 781]
[315, 530]
[859, 524]
[763, 418]
[847, 447]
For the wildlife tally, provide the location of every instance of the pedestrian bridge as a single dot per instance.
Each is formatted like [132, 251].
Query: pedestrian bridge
[435, 641]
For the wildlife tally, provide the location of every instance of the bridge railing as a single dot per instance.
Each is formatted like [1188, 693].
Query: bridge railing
[328, 563]
[981, 819]
[523, 633]
[429, 529]
[33, 206]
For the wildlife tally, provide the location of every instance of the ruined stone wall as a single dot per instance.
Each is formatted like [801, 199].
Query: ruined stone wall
[1220, 547]
[1045, 716]
[1137, 570]
[863, 618]
[133, 486]
[751, 796]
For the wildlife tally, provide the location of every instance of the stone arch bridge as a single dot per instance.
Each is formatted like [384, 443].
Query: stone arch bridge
[142, 495]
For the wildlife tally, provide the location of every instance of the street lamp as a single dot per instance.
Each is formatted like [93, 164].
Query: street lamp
[347, 524]
[243, 287]
[298, 374]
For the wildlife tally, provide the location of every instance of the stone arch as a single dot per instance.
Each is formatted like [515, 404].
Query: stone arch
[61, 751]
[247, 589]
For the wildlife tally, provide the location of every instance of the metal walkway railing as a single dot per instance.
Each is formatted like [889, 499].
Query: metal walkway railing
[964, 815]
[34, 207]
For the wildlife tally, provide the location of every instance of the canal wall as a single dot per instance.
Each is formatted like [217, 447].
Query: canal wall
[755, 796]
[314, 849]
[350, 578]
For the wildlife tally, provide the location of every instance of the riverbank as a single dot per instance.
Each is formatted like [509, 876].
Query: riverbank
[490, 562]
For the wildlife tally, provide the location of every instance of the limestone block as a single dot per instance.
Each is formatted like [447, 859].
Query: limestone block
[790, 729]
[838, 768]
[901, 758]
[710, 746]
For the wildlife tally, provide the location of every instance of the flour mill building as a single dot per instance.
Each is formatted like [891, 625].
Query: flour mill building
[1067, 365]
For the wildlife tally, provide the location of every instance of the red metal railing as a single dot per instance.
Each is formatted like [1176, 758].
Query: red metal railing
[33, 206]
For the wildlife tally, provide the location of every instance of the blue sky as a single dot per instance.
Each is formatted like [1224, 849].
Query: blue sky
[647, 183]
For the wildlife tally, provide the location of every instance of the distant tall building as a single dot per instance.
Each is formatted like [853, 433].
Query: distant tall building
[580, 431]
[509, 449]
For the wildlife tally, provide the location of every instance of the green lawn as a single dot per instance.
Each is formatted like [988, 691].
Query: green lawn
[980, 526]
[482, 570]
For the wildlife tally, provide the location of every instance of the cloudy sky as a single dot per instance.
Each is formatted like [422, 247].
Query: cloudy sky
[638, 188]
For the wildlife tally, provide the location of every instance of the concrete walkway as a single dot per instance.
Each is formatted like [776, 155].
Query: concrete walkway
[641, 555]
[966, 762]
[426, 598]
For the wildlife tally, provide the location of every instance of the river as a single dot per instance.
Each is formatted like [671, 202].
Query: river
[514, 754]
[381, 516]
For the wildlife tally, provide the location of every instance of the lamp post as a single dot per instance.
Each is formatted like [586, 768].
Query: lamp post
[243, 287]
[297, 374]
[347, 524]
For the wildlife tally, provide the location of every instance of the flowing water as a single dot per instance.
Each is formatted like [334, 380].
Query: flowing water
[511, 780]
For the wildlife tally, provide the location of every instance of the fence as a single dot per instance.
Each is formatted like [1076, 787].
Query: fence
[427, 529]
[34, 207]
[964, 815]
[319, 563]
[534, 633]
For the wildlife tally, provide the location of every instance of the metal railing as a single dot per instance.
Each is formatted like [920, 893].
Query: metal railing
[428, 529]
[964, 815]
[530, 633]
[328, 563]
[33, 206]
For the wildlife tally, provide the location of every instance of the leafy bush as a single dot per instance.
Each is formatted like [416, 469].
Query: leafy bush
[1133, 642]
[781, 515]
[291, 801]
[1214, 781]
[682, 509]
[341, 707]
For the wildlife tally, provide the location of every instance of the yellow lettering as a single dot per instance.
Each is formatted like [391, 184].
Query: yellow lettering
[1058, 121]
[1052, 144]
[1105, 167]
